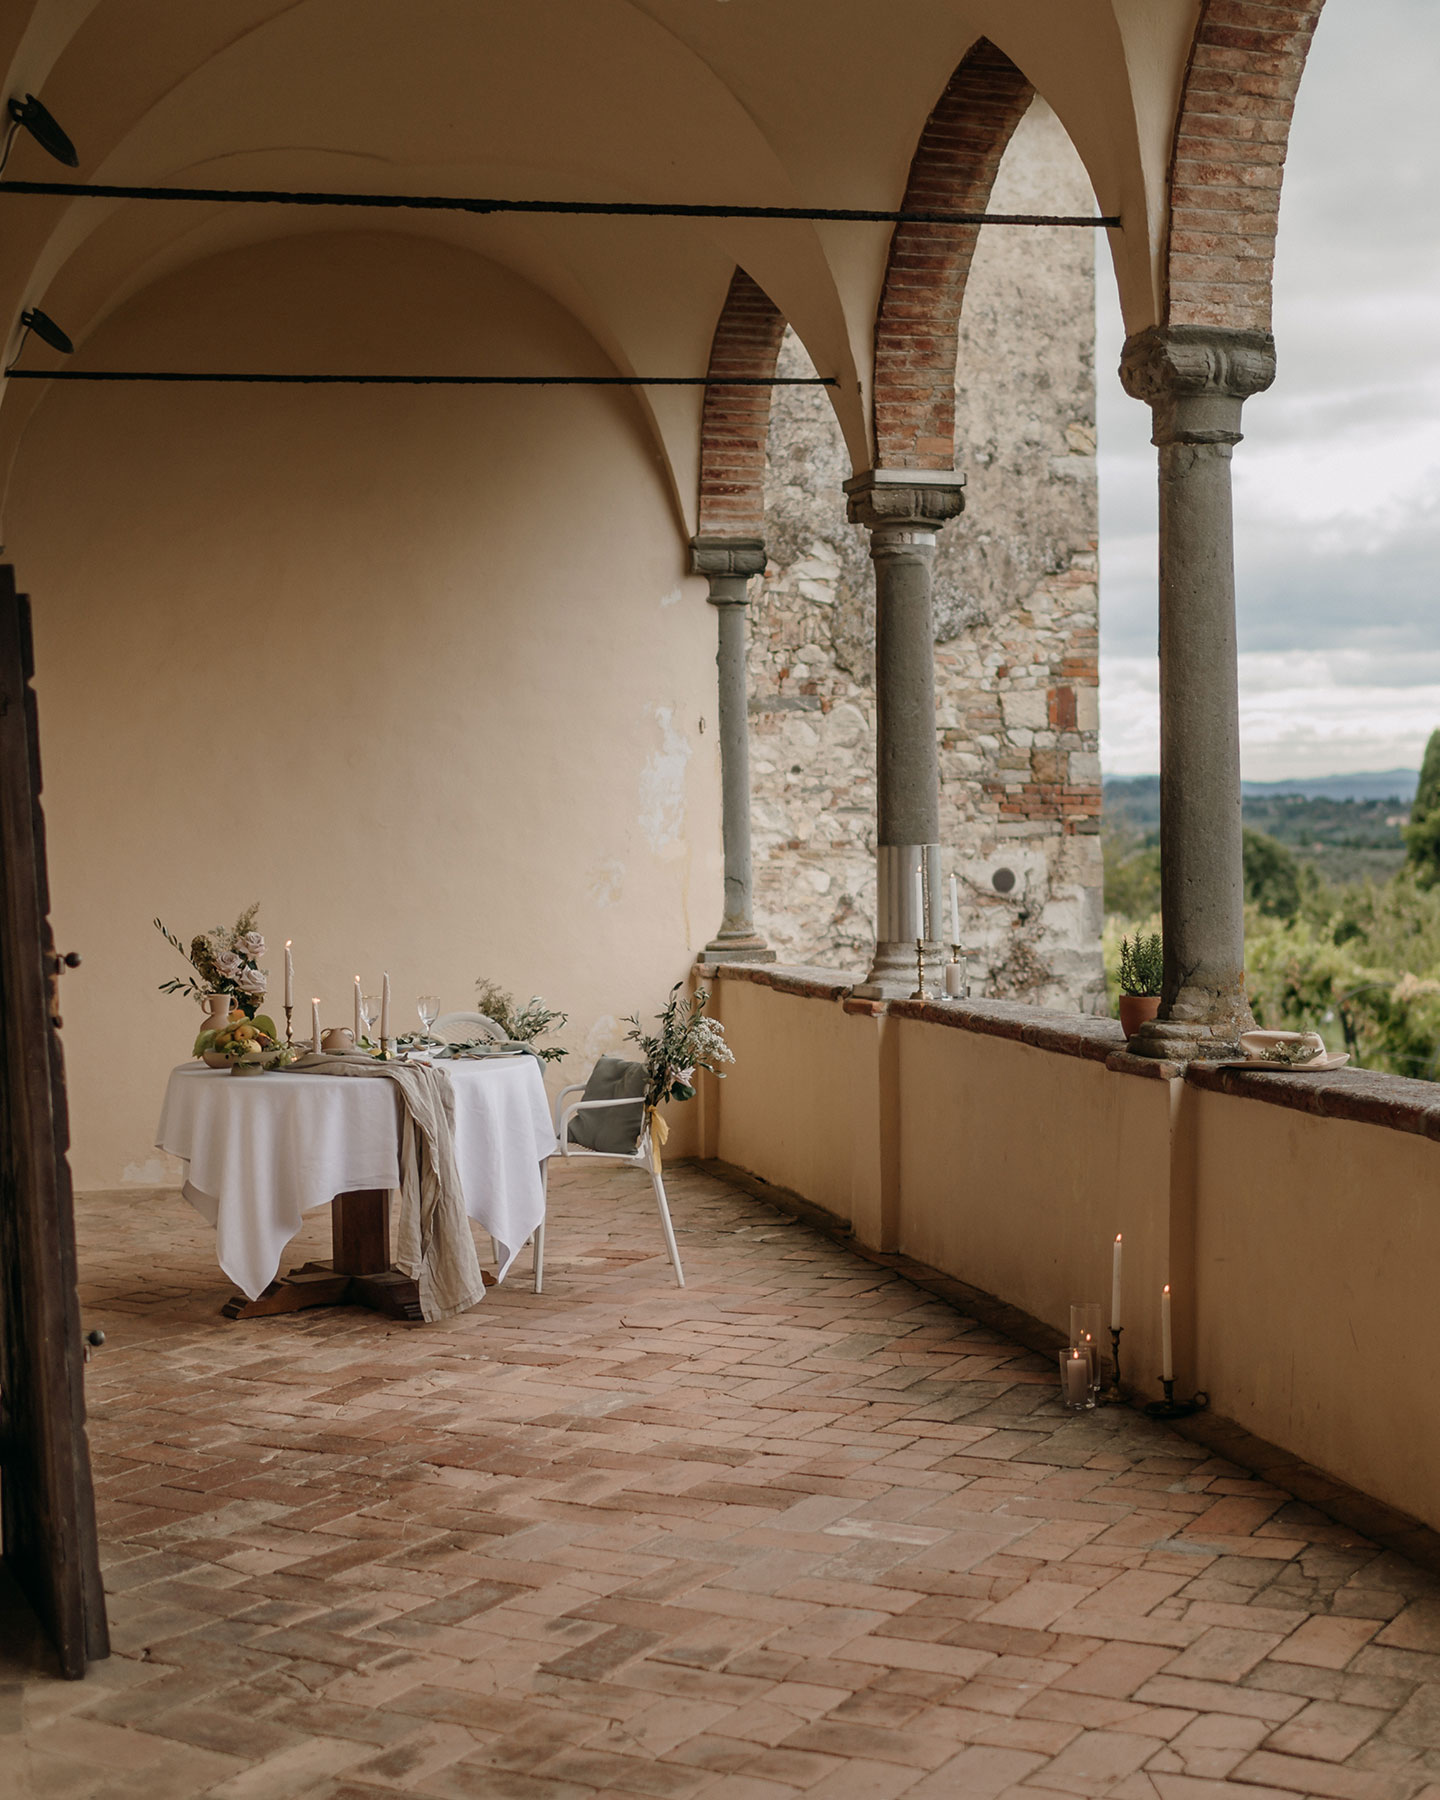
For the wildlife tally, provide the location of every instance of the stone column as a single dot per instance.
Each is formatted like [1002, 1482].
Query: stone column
[728, 564]
[1196, 378]
[903, 509]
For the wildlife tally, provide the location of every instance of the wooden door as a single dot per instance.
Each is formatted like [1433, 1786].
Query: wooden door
[47, 1503]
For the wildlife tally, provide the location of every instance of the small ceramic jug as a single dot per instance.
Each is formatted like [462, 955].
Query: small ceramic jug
[217, 1011]
[338, 1039]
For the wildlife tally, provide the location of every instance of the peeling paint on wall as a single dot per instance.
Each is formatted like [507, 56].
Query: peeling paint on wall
[662, 788]
[606, 882]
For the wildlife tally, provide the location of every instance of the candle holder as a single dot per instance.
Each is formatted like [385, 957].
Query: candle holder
[386, 1052]
[289, 1040]
[957, 973]
[1111, 1396]
[1171, 1408]
[919, 993]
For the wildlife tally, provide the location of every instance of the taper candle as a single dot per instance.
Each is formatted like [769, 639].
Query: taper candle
[289, 975]
[954, 909]
[315, 1022]
[357, 1010]
[384, 1009]
[1167, 1353]
[919, 897]
[1115, 1286]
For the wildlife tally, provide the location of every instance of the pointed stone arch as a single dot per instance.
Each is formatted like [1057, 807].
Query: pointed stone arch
[735, 423]
[1228, 161]
[917, 327]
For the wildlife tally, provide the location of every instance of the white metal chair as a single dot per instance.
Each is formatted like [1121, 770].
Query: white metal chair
[642, 1157]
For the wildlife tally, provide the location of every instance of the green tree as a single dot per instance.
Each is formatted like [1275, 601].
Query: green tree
[1422, 834]
[1272, 876]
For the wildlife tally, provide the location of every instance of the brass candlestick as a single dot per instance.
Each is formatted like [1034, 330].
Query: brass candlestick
[1112, 1395]
[919, 993]
[1171, 1408]
[288, 1040]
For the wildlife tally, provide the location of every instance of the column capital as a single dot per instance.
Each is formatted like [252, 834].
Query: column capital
[738, 557]
[911, 501]
[1196, 378]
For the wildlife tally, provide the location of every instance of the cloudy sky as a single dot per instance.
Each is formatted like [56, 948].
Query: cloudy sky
[1337, 484]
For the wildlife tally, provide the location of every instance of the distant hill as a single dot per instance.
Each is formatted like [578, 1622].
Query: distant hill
[1387, 784]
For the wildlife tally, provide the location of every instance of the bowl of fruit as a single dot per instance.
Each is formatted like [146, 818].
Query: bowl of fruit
[244, 1046]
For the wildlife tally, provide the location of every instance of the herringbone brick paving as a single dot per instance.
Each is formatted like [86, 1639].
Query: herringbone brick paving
[798, 1530]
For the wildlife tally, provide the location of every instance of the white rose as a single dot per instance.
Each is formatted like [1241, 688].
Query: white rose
[228, 964]
[251, 981]
[250, 944]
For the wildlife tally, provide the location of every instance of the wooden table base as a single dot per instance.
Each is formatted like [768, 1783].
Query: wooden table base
[359, 1272]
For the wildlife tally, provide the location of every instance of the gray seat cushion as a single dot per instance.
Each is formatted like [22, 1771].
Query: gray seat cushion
[613, 1129]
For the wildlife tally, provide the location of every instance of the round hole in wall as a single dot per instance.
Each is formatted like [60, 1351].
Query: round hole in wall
[1003, 881]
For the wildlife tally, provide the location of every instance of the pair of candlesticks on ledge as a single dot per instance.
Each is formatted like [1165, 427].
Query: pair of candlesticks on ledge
[957, 972]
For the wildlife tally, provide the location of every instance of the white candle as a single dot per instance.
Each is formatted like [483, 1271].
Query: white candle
[919, 904]
[315, 1022]
[357, 1009]
[1077, 1378]
[384, 1009]
[289, 975]
[954, 909]
[1167, 1353]
[1115, 1286]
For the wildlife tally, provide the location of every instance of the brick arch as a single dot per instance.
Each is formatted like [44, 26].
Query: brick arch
[1231, 134]
[917, 328]
[735, 424]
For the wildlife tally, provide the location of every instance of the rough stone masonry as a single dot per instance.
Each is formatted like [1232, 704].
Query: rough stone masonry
[1016, 631]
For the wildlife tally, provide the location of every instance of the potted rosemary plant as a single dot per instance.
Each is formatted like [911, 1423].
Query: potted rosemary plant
[1142, 967]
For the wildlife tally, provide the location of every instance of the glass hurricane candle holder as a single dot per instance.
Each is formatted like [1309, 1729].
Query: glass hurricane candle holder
[1085, 1334]
[1077, 1388]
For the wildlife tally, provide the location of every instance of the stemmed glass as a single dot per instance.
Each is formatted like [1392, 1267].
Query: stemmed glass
[369, 1011]
[428, 1008]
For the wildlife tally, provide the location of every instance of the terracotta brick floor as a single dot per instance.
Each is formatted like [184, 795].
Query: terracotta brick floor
[798, 1530]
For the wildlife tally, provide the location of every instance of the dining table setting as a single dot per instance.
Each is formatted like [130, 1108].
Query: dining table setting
[442, 1129]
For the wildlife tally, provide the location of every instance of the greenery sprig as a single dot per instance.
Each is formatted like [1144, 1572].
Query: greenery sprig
[1142, 964]
[522, 1023]
[685, 1042]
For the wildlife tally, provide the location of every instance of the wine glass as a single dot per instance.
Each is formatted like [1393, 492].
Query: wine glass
[428, 1008]
[369, 1011]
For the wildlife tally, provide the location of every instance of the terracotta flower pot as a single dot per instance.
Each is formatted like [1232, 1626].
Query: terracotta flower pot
[1135, 1009]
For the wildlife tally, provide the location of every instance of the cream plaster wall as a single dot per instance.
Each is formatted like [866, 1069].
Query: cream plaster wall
[416, 668]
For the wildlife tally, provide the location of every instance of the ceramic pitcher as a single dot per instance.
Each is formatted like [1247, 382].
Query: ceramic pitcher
[217, 1011]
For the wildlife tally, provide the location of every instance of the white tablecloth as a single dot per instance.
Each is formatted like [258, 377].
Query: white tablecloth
[263, 1150]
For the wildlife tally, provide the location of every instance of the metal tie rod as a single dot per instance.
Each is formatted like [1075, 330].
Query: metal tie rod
[705, 381]
[628, 209]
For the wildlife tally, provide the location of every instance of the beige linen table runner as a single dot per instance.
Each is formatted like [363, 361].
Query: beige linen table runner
[433, 1245]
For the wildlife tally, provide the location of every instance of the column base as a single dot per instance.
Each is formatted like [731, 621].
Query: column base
[892, 973]
[750, 947]
[1199, 1027]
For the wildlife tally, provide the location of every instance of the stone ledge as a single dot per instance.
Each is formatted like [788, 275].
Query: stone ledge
[1360, 1095]
[785, 978]
[1067, 1034]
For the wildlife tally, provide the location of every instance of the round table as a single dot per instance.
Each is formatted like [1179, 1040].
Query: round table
[263, 1150]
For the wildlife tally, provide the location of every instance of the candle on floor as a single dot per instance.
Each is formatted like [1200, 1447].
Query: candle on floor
[1115, 1286]
[1167, 1353]
[384, 1009]
[289, 975]
[954, 909]
[358, 1033]
[315, 1022]
[1075, 1374]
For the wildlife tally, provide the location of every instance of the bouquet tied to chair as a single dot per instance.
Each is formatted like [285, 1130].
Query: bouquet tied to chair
[686, 1041]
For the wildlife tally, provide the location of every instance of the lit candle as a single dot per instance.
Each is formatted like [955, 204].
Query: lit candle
[1115, 1286]
[315, 1022]
[384, 1009]
[357, 1009]
[919, 904]
[954, 909]
[1167, 1353]
[1076, 1369]
[289, 975]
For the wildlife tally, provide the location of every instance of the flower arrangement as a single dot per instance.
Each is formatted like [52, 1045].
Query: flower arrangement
[227, 962]
[1142, 964]
[522, 1023]
[685, 1042]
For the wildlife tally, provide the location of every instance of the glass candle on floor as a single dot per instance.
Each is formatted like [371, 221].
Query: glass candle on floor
[1085, 1336]
[1076, 1392]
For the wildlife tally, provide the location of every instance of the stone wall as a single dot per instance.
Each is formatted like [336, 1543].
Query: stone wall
[1016, 631]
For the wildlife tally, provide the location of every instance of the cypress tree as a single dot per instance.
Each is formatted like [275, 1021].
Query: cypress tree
[1422, 834]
